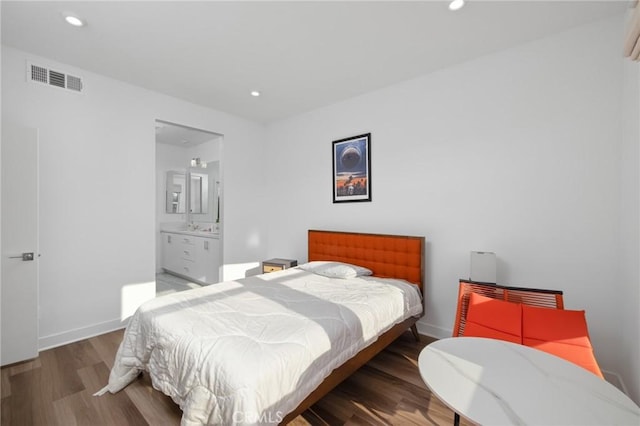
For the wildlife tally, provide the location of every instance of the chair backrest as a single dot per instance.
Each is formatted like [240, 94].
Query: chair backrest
[527, 296]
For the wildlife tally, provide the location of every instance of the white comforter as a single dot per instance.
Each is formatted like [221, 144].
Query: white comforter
[249, 351]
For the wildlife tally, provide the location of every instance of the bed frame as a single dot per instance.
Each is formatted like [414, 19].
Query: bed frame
[388, 256]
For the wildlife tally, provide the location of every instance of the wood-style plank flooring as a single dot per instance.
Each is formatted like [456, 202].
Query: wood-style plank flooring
[57, 389]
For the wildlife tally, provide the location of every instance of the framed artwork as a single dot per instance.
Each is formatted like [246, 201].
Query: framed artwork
[352, 169]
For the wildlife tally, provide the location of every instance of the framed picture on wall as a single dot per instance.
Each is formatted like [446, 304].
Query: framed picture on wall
[352, 169]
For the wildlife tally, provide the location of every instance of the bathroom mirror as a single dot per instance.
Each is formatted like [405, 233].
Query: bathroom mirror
[195, 192]
[213, 169]
[199, 192]
[176, 192]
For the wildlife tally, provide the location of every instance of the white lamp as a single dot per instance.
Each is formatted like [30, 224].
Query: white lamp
[483, 267]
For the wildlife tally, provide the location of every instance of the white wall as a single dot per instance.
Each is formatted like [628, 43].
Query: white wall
[98, 188]
[629, 277]
[515, 152]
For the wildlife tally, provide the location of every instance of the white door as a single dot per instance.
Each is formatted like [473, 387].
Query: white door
[19, 285]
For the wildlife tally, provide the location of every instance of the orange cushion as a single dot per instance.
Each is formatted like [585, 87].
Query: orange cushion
[493, 318]
[559, 332]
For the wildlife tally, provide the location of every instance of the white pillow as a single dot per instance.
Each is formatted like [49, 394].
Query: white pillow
[335, 269]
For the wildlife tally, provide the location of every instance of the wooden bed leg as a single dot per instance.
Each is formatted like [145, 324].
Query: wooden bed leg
[414, 330]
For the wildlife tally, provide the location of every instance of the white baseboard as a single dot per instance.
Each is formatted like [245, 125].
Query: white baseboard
[59, 339]
[433, 331]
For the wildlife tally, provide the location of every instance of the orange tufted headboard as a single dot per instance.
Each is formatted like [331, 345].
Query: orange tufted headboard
[388, 256]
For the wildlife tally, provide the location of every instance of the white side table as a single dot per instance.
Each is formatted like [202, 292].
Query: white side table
[494, 382]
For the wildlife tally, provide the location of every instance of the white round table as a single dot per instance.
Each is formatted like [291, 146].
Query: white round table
[494, 382]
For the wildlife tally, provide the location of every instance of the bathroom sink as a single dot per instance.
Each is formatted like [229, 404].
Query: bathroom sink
[197, 233]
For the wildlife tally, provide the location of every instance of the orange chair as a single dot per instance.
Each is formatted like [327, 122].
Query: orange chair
[528, 296]
[531, 317]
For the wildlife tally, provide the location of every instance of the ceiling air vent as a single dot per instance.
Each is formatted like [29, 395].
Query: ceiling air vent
[74, 83]
[56, 79]
[40, 74]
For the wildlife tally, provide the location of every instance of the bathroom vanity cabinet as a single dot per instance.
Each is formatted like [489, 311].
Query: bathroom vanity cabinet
[192, 256]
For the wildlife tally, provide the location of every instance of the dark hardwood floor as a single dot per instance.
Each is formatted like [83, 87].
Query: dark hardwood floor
[57, 389]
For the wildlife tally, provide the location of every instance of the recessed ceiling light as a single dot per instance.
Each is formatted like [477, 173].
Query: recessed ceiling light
[456, 5]
[74, 20]
[255, 93]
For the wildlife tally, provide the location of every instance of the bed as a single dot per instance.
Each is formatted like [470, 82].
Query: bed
[263, 349]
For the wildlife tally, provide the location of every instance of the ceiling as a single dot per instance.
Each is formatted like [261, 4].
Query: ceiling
[300, 55]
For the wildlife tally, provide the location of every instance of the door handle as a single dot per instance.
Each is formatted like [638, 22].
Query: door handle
[23, 256]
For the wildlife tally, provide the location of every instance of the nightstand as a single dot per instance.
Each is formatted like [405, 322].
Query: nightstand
[272, 265]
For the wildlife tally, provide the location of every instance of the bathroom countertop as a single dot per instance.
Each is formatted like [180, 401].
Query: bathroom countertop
[204, 234]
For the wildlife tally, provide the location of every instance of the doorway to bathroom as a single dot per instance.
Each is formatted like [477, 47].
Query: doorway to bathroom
[189, 200]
